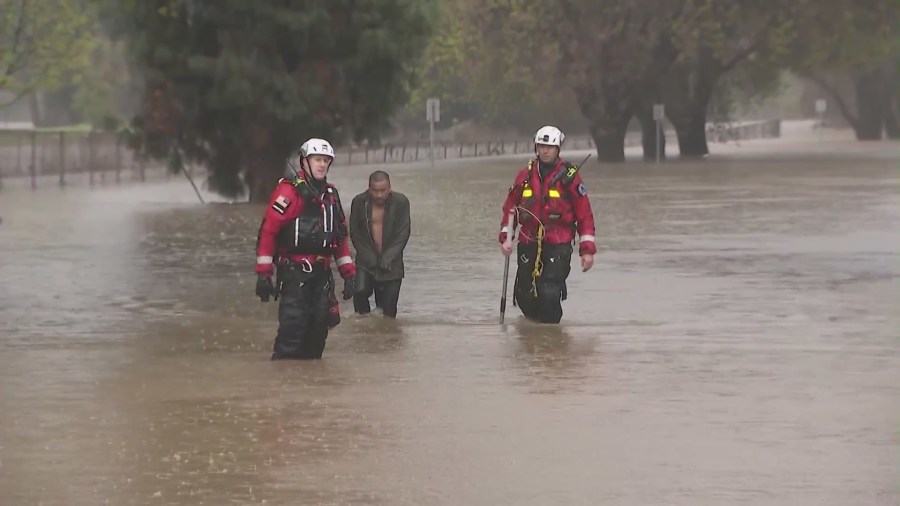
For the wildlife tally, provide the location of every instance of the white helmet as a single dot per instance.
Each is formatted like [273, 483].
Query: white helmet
[316, 147]
[550, 135]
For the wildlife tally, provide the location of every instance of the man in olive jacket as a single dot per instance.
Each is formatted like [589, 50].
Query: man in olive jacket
[379, 230]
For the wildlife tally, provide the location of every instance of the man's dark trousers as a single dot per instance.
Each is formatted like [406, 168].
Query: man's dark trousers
[387, 294]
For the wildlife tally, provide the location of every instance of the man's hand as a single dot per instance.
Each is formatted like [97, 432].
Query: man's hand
[264, 288]
[587, 261]
[505, 243]
[349, 287]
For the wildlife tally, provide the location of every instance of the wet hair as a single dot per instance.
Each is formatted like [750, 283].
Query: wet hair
[378, 176]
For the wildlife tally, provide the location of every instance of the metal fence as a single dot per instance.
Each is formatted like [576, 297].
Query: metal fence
[102, 157]
[400, 152]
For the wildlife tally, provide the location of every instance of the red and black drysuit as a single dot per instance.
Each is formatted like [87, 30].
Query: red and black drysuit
[303, 228]
[551, 205]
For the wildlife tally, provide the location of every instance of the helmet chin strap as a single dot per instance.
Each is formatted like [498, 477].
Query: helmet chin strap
[307, 171]
[304, 167]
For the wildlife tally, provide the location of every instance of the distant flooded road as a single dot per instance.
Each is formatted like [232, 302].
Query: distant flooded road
[736, 343]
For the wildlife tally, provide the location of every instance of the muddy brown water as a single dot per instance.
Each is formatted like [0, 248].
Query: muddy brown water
[736, 343]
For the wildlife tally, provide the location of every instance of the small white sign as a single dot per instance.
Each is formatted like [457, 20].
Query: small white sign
[821, 105]
[433, 110]
[659, 112]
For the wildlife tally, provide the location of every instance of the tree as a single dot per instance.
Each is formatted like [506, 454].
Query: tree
[857, 41]
[235, 86]
[487, 65]
[442, 71]
[102, 93]
[714, 38]
[42, 42]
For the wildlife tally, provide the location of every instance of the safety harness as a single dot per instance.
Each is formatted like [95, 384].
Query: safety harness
[564, 176]
[320, 226]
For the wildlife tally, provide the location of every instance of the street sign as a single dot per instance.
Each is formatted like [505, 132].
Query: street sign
[432, 115]
[821, 106]
[659, 113]
[433, 110]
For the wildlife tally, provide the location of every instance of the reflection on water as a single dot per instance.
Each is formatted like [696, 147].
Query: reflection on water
[735, 343]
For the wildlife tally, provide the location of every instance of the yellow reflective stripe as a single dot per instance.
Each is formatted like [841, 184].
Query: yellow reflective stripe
[552, 193]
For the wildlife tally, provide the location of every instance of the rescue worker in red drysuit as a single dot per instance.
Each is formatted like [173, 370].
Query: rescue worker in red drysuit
[550, 203]
[304, 226]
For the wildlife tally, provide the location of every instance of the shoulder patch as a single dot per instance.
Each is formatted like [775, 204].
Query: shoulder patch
[582, 190]
[281, 204]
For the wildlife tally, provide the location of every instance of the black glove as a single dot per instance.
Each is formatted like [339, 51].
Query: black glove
[264, 288]
[349, 287]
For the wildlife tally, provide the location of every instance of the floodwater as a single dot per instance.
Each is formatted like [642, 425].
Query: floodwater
[736, 343]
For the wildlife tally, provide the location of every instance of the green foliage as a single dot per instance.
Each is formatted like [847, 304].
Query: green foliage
[237, 85]
[102, 88]
[844, 34]
[43, 43]
[724, 53]
[509, 61]
[488, 62]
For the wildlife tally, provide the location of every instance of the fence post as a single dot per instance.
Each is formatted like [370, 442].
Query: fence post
[90, 162]
[118, 160]
[62, 159]
[96, 156]
[33, 168]
[18, 154]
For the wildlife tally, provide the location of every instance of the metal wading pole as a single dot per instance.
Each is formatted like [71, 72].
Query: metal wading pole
[508, 242]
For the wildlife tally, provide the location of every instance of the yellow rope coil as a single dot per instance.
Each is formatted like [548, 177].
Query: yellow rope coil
[538, 265]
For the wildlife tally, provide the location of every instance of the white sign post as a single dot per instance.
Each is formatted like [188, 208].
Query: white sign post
[432, 115]
[659, 112]
[821, 107]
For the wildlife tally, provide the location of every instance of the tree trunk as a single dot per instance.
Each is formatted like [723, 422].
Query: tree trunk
[649, 131]
[261, 181]
[892, 101]
[692, 130]
[263, 170]
[687, 96]
[607, 107]
[608, 133]
[870, 100]
[254, 187]
[692, 134]
[891, 125]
